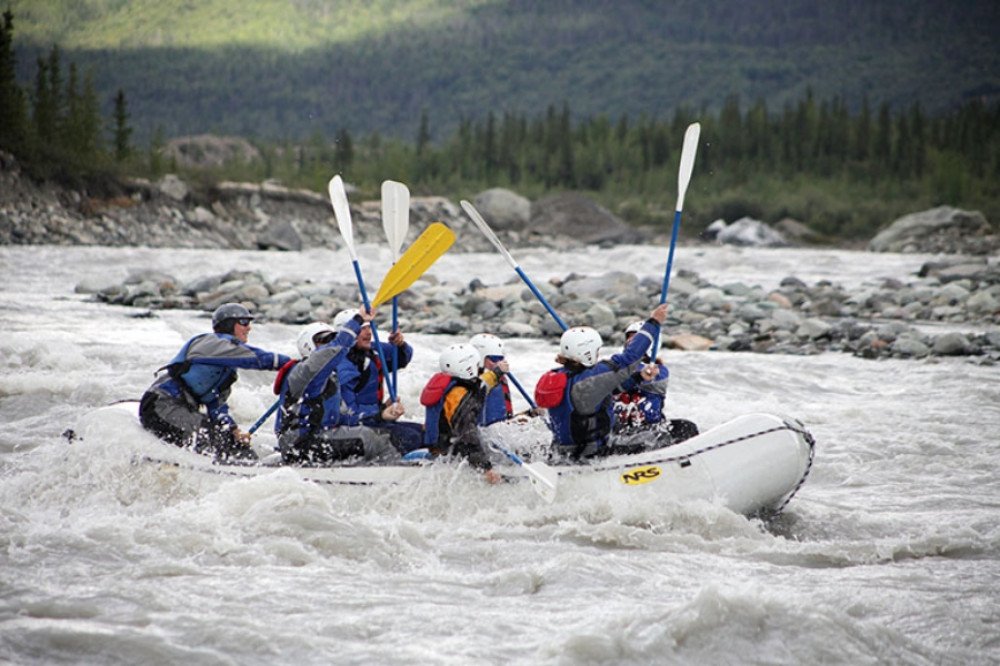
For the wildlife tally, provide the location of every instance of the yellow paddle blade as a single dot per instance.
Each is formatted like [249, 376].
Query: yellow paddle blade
[420, 256]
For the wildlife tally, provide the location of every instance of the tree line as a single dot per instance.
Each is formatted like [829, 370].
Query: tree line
[56, 128]
[842, 172]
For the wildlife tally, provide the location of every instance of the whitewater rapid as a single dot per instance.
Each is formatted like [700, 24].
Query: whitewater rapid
[888, 554]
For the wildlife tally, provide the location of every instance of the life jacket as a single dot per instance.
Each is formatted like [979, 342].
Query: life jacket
[432, 398]
[307, 414]
[551, 389]
[496, 404]
[280, 418]
[203, 382]
[282, 371]
[570, 427]
[365, 361]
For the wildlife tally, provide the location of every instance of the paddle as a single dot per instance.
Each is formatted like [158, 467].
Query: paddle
[263, 417]
[342, 211]
[420, 256]
[396, 222]
[521, 389]
[481, 223]
[544, 479]
[431, 244]
[691, 136]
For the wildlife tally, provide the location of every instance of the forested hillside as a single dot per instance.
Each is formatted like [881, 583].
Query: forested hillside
[289, 70]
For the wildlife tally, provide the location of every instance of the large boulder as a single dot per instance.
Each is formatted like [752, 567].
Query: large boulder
[575, 216]
[207, 150]
[748, 232]
[503, 210]
[943, 229]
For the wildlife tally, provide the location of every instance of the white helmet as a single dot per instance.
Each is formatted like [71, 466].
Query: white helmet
[487, 345]
[460, 361]
[580, 344]
[307, 338]
[634, 327]
[342, 318]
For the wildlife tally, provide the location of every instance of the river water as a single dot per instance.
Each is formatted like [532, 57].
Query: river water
[889, 554]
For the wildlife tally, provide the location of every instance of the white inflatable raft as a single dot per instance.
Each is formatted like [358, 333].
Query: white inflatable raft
[752, 464]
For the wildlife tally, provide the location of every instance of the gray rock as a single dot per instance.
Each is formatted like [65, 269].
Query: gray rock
[942, 229]
[747, 231]
[607, 286]
[503, 209]
[279, 235]
[909, 347]
[951, 344]
[172, 187]
[575, 216]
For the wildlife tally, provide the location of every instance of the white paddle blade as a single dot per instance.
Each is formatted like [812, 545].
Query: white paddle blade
[400, 219]
[395, 215]
[342, 211]
[691, 136]
[485, 228]
[544, 480]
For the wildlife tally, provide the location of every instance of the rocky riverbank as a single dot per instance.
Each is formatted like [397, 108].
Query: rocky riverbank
[887, 320]
[958, 295]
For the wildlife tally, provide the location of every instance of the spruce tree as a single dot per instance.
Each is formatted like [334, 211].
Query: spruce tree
[13, 129]
[122, 131]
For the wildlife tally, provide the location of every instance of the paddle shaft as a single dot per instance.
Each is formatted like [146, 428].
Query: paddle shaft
[485, 228]
[538, 295]
[342, 211]
[376, 344]
[688, 152]
[520, 388]
[270, 410]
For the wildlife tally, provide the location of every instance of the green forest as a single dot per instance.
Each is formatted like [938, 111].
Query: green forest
[845, 164]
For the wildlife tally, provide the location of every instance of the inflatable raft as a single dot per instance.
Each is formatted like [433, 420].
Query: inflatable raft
[753, 464]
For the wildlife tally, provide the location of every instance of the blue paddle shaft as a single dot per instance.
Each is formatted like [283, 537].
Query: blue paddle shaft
[666, 280]
[260, 421]
[377, 346]
[395, 349]
[520, 388]
[670, 257]
[541, 298]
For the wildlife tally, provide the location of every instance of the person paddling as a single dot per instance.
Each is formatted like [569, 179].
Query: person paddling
[453, 401]
[579, 395]
[311, 428]
[640, 398]
[362, 380]
[188, 405]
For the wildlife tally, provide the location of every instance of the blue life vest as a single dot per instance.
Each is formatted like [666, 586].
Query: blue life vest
[202, 381]
[570, 427]
[496, 406]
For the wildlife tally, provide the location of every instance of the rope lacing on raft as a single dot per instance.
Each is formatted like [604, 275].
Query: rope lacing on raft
[718, 445]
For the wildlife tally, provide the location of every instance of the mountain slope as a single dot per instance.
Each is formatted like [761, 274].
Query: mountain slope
[292, 69]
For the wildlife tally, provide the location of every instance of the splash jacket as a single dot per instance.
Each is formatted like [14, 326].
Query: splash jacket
[580, 400]
[205, 369]
[361, 382]
[639, 402]
[310, 397]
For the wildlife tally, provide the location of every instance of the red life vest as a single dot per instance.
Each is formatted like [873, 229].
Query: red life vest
[550, 389]
[282, 371]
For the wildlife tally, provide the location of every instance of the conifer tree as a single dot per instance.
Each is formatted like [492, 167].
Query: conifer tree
[122, 131]
[13, 129]
[343, 154]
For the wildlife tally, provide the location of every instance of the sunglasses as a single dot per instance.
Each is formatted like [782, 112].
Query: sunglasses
[494, 359]
[244, 322]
